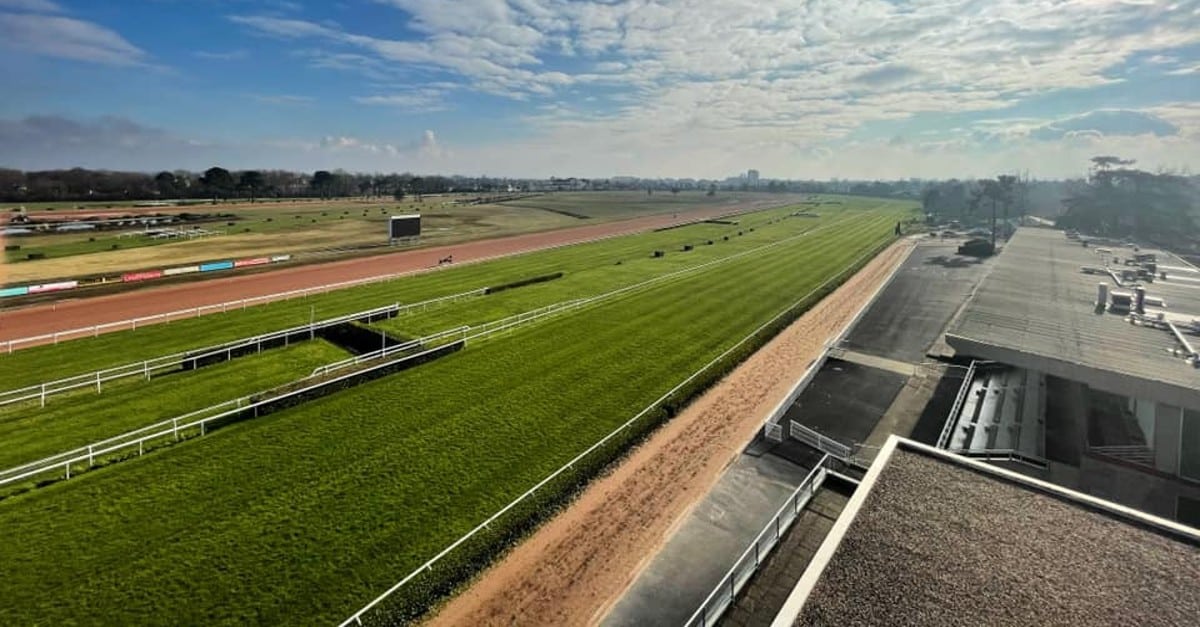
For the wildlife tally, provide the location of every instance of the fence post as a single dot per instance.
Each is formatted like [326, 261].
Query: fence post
[91, 457]
[175, 426]
[146, 368]
[68, 469]
[97, 381]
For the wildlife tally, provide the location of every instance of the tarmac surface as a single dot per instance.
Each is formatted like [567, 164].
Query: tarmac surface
[859, 383]
[913, 311]
[739, 506]
[845, 400]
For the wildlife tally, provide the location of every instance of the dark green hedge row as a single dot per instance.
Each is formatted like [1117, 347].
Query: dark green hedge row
[523, 282]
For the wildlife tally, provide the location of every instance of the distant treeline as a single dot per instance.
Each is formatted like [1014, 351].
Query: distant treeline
[79, 184]
[1114, 200]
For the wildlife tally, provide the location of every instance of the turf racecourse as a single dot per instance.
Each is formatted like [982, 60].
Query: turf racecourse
[304, 515]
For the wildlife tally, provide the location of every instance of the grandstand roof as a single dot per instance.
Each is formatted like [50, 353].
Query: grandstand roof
[1036, 310]
[932, 538]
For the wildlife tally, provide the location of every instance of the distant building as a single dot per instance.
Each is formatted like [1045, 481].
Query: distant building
[752, 177]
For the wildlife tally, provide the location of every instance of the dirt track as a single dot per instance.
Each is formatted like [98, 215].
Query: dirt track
[577, 565]
[77, 313]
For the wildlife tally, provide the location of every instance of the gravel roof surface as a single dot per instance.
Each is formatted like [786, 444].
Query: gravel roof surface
[939, 544]
[1037, 302]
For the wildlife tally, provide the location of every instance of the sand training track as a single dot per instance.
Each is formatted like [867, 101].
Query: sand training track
[83, 312]
[577, 565]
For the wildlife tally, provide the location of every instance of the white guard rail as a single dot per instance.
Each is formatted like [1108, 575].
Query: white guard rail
[172, 362]
[357, 617]
[172, 427]
[816, 440]
[725, 592]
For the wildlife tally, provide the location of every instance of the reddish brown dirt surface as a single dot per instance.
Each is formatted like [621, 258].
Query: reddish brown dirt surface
[578, 564]
[77, 313]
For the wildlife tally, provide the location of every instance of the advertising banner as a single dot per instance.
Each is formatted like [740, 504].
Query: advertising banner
[216, 265]
[141, 276]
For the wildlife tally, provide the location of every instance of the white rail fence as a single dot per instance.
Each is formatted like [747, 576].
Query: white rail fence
[195, 312]
[820, 442]
[421, 342]
[132, 323]
[357, 617]
[176, 427]
[725, 592]
[175, 361]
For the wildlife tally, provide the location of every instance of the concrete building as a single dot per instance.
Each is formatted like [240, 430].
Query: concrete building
[752, 177]
[1087, 374]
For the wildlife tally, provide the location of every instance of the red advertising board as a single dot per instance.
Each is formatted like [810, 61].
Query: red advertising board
[141, 276]
[257, 261]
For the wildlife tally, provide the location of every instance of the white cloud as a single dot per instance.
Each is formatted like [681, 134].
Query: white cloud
[430, 148]
[67, 38]
[422, 100]
[225, 55]
[32, 6]
[283, 99]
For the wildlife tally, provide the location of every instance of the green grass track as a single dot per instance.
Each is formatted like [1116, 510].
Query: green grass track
[301, 517]
[43, 363]
[78, 418]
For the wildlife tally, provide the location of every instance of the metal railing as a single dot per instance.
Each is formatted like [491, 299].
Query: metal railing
[1004, 455]
[952, 419]
[173, 427]
[357, 617]
[421, 342]
[820, 442]
[725, 592]
[175, 361]
[195, 312]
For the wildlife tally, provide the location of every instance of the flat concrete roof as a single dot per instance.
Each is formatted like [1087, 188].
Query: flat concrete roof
[932, 538]
[1036, 310]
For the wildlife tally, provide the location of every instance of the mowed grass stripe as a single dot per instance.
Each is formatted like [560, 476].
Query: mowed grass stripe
[597, 280]
[42, 363]
[33, 365]
[304, 515]
[79, 418]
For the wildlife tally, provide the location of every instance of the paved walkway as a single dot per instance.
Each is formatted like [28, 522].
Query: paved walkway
[681, 576]
[767, 590]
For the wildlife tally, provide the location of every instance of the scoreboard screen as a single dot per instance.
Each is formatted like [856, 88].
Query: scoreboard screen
[404, 226]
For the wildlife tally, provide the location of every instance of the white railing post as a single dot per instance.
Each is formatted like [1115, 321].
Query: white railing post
[91, 457]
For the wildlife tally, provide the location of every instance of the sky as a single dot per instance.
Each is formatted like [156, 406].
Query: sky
[800, 89]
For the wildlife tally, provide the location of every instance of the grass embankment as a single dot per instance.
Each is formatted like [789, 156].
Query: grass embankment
[77, 418]
[42, 363]
[304, 515]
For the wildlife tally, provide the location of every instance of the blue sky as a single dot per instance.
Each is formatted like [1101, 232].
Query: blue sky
[687, 88]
